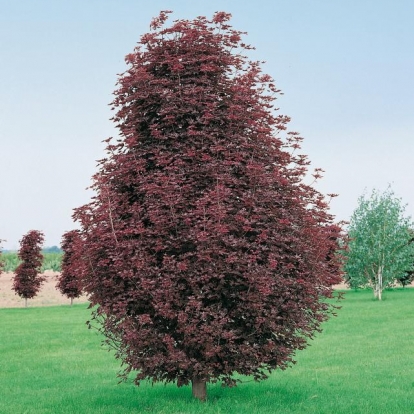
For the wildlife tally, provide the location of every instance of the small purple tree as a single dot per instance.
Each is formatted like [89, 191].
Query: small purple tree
[69, 281]
[27, 279]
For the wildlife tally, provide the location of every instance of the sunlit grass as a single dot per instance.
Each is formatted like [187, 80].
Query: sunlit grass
[361, 363]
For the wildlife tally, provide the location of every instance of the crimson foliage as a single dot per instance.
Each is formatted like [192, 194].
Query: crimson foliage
[27, 280]
[69, 281]
[207, 252]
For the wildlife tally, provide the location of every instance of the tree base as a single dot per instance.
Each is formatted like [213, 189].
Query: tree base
[199, 389]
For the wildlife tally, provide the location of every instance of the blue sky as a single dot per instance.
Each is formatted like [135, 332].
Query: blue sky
[345, 68]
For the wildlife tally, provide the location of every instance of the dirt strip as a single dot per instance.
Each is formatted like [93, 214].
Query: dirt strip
[48, 295]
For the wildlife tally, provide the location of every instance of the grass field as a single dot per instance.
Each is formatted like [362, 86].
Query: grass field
[363, 362]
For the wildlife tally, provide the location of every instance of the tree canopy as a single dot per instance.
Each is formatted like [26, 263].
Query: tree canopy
[27, 279]
[69, 280]
[207, 253]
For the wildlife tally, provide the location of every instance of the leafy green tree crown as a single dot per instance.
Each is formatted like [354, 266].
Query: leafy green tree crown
[379, 248]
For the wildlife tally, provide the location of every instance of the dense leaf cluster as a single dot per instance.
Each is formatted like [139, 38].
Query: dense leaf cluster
[69, 280]
[207, 254]
[407, 277]
[27, 280]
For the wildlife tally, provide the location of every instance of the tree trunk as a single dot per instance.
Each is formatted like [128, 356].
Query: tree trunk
[379, 283]
[199, 389]
[71, 301]
[25, 302]
[376, 290]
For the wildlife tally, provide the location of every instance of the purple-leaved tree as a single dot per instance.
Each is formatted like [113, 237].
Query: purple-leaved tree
[207, 253]
[69, 280]
[27, 279]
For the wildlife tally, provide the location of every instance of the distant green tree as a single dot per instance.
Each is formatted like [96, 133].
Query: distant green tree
[379, 249]
[408, 277]
[52, 249]
[2, 265]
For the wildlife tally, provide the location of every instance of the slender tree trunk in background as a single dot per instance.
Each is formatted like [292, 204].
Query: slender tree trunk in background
[199, 389]
[71, 301]
[375, 287]
[25, 302]
[378, 284]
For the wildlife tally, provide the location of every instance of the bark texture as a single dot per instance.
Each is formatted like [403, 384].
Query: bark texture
[199, 389]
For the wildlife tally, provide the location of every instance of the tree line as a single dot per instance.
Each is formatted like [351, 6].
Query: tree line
[51, 260]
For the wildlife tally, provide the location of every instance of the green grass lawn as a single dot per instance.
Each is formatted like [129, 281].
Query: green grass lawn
[363, 362]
